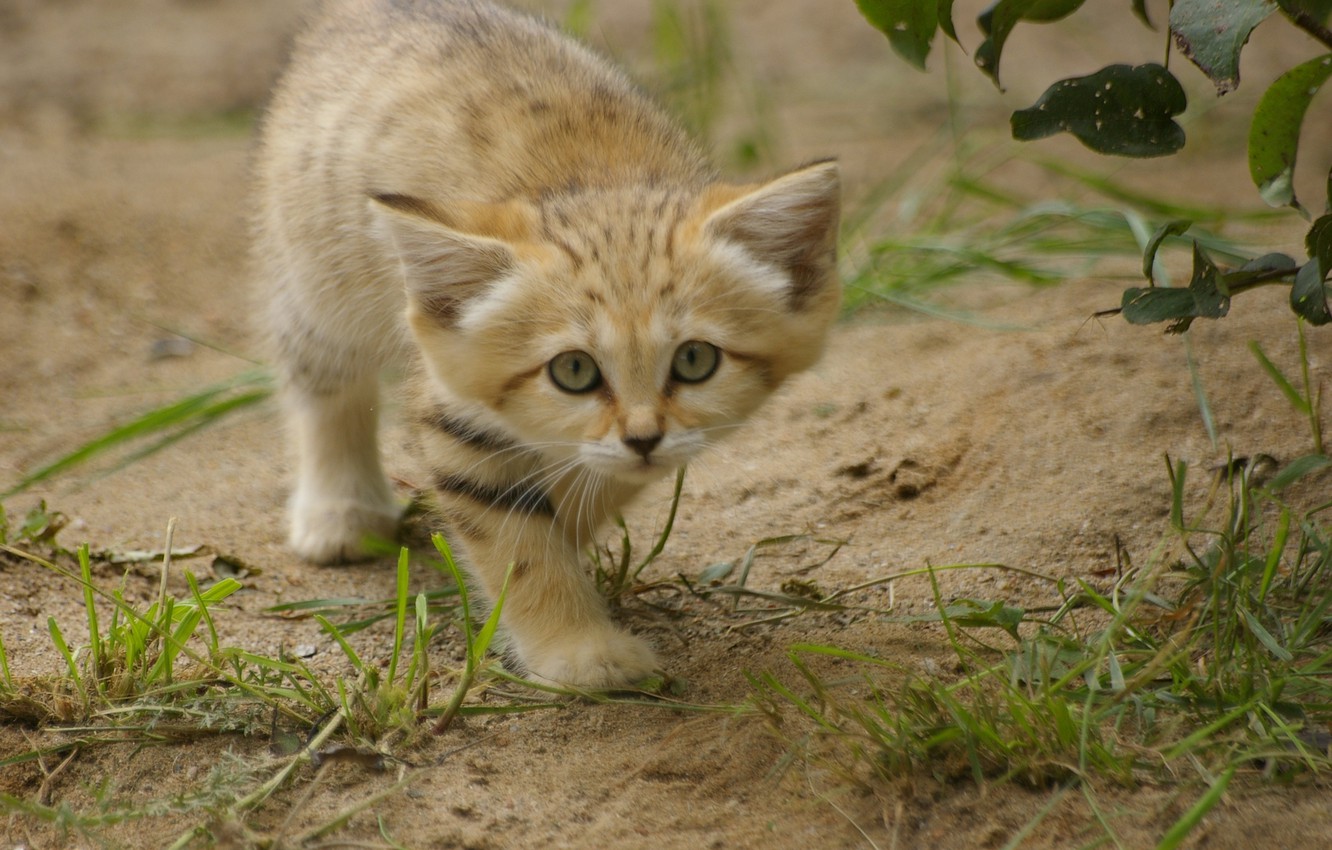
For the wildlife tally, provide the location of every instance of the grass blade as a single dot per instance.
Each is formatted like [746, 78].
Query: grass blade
[487, 633]
[400, 614]
[5, 676]
[1264, 636]
[90, 607]
[1182, 827]
[1288, 389]
[62, 647]
[666, 530]
[347, 650]
[183, 416]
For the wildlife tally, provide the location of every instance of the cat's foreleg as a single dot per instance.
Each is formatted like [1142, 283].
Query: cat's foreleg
[341, 494]
[557, 623]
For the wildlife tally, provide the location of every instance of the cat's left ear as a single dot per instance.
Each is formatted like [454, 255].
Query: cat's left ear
[792, 223]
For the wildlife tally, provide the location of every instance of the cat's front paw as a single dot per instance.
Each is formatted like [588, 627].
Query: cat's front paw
[335, 531]
[599, 660]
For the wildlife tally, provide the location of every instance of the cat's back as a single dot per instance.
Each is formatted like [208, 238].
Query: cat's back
[457, 99]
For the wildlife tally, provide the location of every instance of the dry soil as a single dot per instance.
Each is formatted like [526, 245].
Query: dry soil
[1033, 439]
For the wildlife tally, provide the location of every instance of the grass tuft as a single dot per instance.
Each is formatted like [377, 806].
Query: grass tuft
[1216, 662]
[161, 673]
[951, 214]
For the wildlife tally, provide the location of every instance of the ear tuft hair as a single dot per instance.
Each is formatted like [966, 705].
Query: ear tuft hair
[792, 223]
[444, 268]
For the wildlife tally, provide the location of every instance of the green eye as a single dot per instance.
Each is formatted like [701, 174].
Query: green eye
[695, 361]
[574, 372]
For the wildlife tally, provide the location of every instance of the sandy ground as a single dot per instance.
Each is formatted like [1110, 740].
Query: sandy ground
[123, 146]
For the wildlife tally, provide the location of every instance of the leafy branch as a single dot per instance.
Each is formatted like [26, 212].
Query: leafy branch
[1128, 110]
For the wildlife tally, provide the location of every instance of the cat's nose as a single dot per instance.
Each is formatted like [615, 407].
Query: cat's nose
[643, 445]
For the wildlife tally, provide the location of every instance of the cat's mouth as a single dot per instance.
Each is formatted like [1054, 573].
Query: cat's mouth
[638, 469]
[642, 471]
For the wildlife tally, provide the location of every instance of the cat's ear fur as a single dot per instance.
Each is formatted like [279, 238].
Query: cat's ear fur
[450, 258]
[790, 222]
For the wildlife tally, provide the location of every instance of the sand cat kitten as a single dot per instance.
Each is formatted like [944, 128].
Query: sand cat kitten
[588, 304]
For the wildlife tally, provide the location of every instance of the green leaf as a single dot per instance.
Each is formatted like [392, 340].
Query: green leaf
[909, 25]
[219, 591]
[1274, 135]
[1171, 228]
[1140, 9]
[336, 634]
[58, 638]
[946, 19]
[1212, 32]
[978, 613]
[1117, 682]
[1203, 298]
[1038, 11]
[1318, 241]
[1121, 110]
[1267, 268]
[998, 21]
[400, 612]
[1044, 659]
[1273, 262]
[1319, 10]
[167, 424]
[1148, 305]
[1308, 297]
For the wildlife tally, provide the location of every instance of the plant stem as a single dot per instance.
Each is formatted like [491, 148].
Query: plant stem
[264, 791]
[670, 524]
[1311, 25]
[1313, 396]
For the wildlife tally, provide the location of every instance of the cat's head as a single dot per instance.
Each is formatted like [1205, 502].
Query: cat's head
[624, 329]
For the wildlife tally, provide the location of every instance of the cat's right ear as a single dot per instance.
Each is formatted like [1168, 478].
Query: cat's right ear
[790, 222]
[444, 268]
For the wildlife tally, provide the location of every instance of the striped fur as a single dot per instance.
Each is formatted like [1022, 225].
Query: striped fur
[459, 183]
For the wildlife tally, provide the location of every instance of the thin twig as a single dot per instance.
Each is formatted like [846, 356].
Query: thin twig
[44, 792]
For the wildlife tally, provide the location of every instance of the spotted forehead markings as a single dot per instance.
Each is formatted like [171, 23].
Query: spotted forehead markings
[549, 234]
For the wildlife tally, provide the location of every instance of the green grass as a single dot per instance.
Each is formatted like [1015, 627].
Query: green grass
[690, 67]
[1212, 660]
[158, 428]
[1210, 667]
[1204, 667]
[160, 673]
[239, 121]
[695, 74]
[950, 214]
